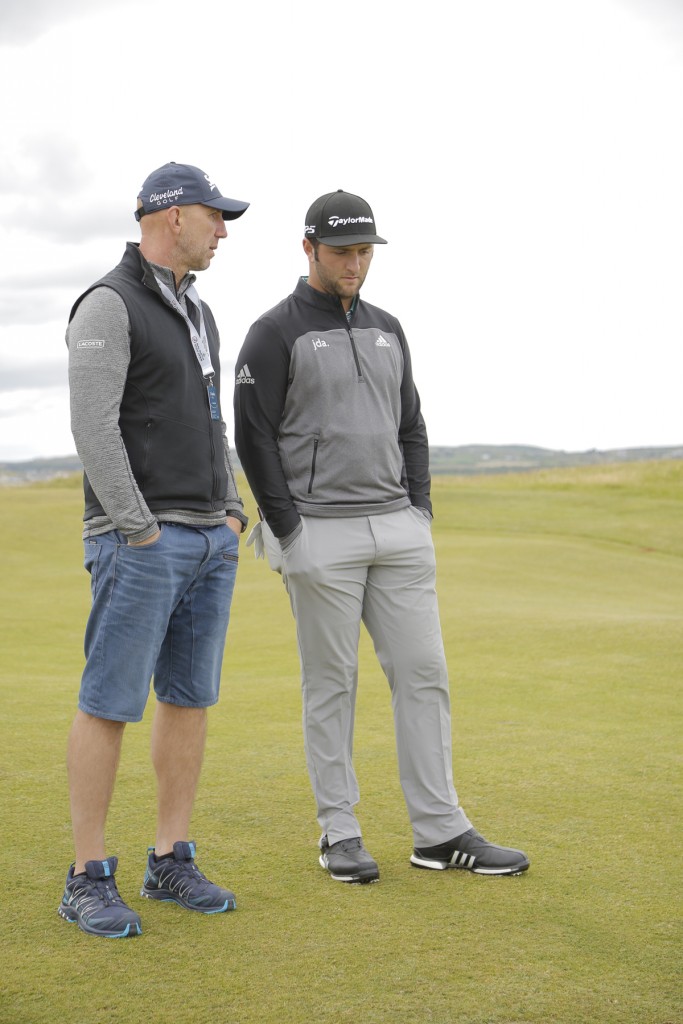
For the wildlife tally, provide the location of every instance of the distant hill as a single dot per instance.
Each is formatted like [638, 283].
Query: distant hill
[32, 470]
[459, 460]
[518, 458]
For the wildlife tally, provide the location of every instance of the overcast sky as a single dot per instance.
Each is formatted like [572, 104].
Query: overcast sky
[524, 160]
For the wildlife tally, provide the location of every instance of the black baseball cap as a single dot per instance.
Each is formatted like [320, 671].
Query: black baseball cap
[183, 185]
[340, 218]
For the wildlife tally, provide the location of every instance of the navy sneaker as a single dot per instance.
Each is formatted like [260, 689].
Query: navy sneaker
[471, 852]
[93, 902]
[348, 861]
[179, 879]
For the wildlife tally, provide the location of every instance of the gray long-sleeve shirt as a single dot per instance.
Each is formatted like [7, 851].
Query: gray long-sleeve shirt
[96, 388]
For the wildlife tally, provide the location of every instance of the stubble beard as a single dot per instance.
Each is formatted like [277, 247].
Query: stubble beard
[333, 286]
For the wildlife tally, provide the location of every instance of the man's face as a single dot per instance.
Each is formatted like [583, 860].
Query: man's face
[339, 270]
[202, 228]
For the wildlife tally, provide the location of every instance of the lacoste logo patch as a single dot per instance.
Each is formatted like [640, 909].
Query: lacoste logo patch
[92, 343]
[244, 376]
[382, 342]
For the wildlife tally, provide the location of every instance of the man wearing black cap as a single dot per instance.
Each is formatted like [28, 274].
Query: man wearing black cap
[329, 432]
[162, 525]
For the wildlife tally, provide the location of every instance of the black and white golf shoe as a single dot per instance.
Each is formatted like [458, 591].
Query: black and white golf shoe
[348, 861]
[471, 852]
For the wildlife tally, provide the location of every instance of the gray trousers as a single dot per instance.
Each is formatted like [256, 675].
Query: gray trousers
[380, 570]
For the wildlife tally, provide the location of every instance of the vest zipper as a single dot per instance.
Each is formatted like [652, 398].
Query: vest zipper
[214, 474]
[145, 453]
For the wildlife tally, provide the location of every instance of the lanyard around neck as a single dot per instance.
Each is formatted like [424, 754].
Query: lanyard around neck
[200, 342]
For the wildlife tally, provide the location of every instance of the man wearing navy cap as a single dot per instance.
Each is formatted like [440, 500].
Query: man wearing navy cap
[162, 525]
[330, 434]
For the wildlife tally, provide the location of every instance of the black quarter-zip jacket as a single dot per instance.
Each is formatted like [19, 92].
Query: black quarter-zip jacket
[327, 416]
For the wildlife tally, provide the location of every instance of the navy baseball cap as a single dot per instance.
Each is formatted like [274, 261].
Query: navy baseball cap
[340, 218]
[182, 185]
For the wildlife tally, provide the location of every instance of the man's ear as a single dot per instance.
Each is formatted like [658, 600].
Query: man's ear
[174, 217]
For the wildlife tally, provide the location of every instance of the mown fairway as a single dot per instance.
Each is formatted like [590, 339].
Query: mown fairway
[562, 608]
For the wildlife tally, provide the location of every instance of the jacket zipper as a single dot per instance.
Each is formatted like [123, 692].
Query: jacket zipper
[316, 441]
[361, 379]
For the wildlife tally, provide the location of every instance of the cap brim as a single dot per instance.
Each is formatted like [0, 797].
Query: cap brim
[352, 240]
[230, 208]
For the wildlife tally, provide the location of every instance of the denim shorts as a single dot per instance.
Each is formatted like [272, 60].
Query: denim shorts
[161, 611]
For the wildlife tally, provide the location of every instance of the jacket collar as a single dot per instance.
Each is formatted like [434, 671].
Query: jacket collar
[321, 300]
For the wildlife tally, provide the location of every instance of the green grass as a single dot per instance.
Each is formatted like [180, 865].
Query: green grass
[562, 607]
